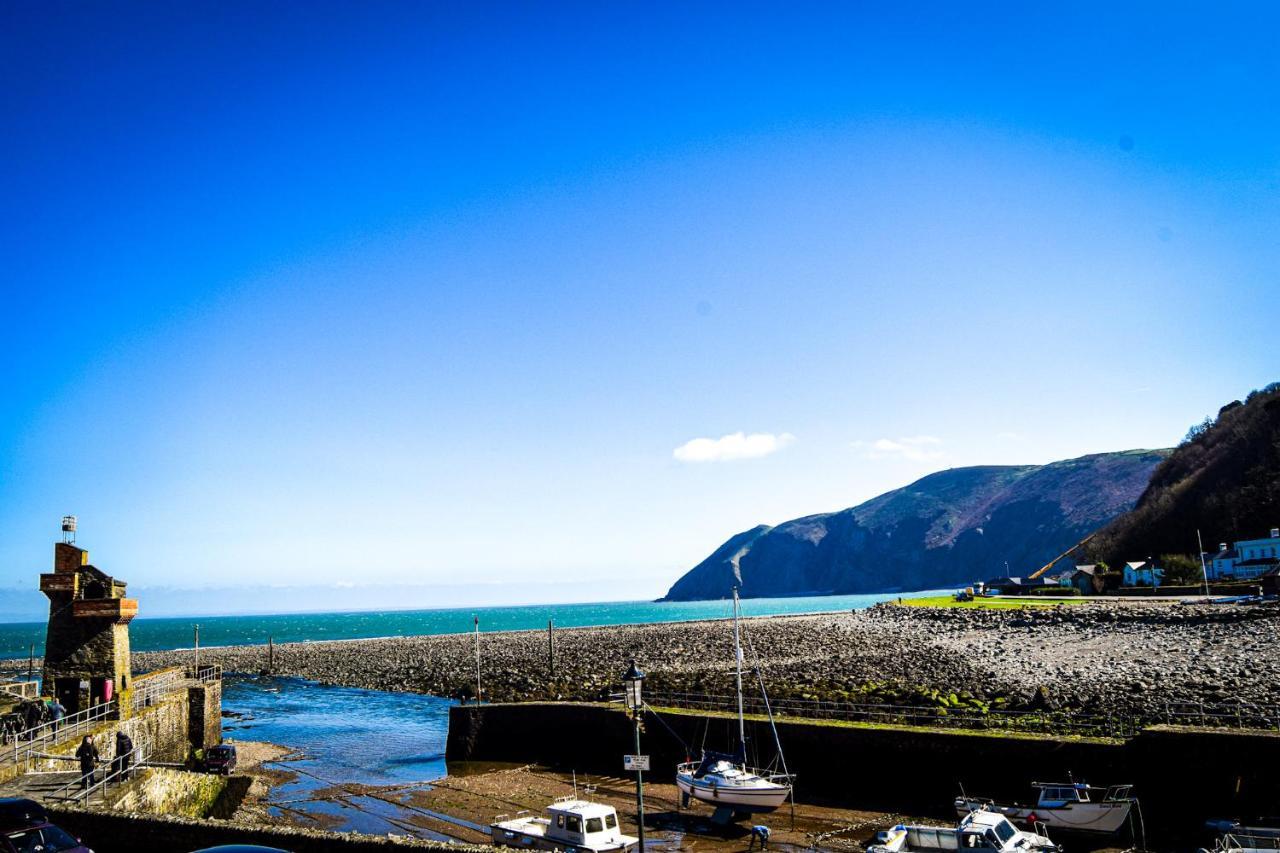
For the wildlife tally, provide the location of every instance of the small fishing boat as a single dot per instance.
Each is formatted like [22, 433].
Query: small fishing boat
[570, 825]
[1071, 806]
[1237, 838]
[723, 779]
[977, 830]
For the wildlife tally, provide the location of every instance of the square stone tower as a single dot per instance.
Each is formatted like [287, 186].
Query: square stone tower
[86, 658]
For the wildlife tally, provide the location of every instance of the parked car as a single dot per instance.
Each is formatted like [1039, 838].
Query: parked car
[25, 828]
[220, 759]
[240, 848]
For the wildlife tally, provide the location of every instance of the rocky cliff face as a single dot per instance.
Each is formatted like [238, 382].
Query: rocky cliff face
[948, 528]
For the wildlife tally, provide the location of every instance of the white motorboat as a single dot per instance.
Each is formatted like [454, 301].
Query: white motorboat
[723, 779]
[977, 830]
[570, 824]
[1237, 838]
[1071, 806]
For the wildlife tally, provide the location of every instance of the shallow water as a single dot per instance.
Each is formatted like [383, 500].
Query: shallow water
[346, 737]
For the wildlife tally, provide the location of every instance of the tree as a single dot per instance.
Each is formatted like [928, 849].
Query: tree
[1180, 569]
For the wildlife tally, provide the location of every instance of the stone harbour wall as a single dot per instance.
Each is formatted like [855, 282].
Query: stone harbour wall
[161, 790]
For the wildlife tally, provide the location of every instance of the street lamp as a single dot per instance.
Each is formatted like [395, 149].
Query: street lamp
[632, 679]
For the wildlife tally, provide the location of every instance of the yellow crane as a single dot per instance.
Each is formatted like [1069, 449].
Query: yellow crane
[1049, 565]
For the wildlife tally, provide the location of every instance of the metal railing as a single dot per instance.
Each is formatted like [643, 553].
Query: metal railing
[21, 689]
[1227, 715]
[147, 689]
[76, 791]
[205, 673]
[29, 743]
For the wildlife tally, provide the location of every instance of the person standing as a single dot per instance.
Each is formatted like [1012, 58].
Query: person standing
[58, 712]
[88, 755]
[124, 756]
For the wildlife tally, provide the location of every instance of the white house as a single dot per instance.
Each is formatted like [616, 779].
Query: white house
[1143, 574]
[1250, 558]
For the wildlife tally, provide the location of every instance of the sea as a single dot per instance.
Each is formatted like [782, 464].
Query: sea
[349, 737]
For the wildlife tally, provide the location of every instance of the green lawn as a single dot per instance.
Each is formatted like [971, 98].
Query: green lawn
[999, 603]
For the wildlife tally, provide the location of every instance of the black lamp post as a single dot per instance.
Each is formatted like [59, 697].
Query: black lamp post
[631, 681]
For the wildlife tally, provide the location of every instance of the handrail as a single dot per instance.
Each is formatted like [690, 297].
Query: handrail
[57, 731]
[146, 692]
[101, 785]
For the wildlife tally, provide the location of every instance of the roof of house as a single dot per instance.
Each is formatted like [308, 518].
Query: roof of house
[1091, 569]
[1135, 565]
[1225, 554]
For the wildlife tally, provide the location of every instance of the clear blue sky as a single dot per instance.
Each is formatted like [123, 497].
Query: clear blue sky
[428, 293]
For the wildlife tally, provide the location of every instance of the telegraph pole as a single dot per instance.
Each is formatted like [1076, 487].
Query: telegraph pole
[477, 618]
[551, 649]
[1204, 572]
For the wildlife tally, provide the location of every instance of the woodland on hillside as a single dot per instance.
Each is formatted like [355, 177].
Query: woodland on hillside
[1223, 480]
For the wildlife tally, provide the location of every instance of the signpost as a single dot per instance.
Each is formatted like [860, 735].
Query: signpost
[637, 763]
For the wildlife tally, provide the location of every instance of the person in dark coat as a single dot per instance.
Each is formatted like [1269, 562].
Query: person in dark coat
[88, 755]
[30, 716]
[124, 755]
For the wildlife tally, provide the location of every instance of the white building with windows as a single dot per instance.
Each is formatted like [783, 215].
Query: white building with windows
[1250, 558]
[1143, 574]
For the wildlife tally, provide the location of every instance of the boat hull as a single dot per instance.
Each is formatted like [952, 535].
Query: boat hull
[755, 799]
[1101, 818]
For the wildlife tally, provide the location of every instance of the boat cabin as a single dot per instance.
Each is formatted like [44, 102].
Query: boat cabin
[583, 824]
[987, 831]
[568, 824]
[1055, 795]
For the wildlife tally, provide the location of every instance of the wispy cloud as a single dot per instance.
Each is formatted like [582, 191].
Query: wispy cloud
[919, 448]
[1010, 436]
[736, 445]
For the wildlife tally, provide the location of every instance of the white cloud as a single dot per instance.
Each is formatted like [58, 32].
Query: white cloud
[919, 448]
[1010, 436]
[736, 445]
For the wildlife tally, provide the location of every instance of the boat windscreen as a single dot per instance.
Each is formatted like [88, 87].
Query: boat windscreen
[710, 759]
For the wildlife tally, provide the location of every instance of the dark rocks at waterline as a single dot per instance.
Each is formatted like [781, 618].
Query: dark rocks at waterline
[1111, 658]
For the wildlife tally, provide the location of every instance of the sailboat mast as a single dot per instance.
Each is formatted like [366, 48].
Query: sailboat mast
[737, 657]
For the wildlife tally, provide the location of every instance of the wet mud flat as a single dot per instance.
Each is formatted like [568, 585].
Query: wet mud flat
[477, 795]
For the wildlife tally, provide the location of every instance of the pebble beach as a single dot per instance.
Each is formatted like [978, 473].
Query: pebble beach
[1102, 656]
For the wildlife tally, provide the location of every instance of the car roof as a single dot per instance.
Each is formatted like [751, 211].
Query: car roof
[240, 848]
[18, 812]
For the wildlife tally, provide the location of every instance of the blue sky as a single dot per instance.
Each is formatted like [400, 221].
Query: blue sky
[440, 294]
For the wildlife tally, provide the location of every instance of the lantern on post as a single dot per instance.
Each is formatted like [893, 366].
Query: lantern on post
[632, 680]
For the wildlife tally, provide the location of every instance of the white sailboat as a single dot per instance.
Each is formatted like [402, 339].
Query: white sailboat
[724, 779]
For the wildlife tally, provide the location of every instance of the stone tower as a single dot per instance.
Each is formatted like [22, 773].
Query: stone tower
[86, 658]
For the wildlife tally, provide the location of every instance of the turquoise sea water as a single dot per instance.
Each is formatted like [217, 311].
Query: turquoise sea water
[160, 634]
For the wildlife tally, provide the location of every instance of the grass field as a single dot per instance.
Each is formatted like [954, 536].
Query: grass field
[1000, 603]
